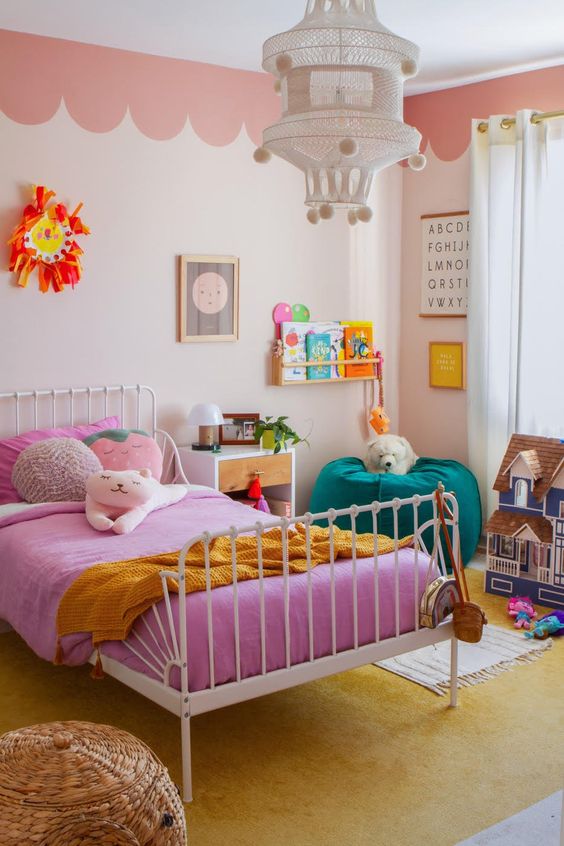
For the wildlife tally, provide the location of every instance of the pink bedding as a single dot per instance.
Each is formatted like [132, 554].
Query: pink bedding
[43, 550]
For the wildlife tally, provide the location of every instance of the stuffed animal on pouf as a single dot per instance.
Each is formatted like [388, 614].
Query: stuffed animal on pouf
[389, 454]
[120, 500]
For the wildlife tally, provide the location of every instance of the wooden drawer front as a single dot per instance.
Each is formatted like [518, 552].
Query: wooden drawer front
[237, 474]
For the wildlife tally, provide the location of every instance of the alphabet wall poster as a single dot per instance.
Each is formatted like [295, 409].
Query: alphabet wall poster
[444, 279]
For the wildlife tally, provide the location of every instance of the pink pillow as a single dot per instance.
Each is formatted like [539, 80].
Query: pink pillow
[10, 448]
[127, 449]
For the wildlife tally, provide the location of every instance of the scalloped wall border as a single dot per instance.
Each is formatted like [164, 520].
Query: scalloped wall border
[98, 85]
[444, 117]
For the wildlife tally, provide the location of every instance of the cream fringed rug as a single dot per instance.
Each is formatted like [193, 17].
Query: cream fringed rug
[498, 651]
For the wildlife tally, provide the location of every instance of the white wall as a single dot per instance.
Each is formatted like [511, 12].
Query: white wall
[146, 202]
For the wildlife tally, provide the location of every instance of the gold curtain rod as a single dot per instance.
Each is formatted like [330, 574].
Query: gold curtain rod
[537, 117]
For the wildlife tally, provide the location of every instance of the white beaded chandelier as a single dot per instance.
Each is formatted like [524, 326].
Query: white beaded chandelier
[340, 74]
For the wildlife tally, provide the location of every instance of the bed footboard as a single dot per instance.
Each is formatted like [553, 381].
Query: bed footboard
[399, 636]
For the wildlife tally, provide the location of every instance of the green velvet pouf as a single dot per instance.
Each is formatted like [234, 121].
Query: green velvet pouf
[346, 482]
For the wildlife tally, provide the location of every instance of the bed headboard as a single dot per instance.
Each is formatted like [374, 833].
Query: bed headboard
[20, 411]
[135, 405]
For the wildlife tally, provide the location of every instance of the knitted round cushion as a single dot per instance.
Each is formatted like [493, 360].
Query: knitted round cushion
[70, 783]
[54, 470]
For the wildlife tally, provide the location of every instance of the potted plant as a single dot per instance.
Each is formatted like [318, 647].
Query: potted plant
[276, 434]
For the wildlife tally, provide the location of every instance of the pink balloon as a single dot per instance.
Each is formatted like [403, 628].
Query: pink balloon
[282, 313]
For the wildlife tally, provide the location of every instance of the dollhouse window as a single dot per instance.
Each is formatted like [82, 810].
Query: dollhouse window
[521, 494]
[506, 547]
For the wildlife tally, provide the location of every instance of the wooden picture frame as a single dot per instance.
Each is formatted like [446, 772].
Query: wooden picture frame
[208, 299]
[447, 365]
[445, 279]
[241, 422]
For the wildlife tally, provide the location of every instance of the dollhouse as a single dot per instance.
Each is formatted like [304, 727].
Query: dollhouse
[525, 536]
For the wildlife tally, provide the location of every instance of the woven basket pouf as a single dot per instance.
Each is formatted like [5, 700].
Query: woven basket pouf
[80, 784]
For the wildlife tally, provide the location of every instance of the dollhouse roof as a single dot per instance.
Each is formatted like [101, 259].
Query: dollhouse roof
[510, 523]
[542, 456]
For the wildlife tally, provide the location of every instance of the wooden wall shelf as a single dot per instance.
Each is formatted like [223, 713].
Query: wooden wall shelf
[279, 366]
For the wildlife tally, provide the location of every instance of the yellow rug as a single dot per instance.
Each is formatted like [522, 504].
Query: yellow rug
[365, 758]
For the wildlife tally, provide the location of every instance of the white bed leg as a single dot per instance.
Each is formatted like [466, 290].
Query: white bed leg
[186, 758]
[453, 672]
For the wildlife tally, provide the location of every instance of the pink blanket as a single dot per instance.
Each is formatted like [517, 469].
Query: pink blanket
[43, 550]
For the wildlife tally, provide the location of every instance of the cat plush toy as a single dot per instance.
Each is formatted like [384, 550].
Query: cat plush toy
[121, 499]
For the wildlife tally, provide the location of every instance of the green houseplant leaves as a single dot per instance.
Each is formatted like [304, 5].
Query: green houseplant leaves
[283, 434]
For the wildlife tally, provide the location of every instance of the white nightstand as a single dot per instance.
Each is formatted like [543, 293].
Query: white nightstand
[234, 468]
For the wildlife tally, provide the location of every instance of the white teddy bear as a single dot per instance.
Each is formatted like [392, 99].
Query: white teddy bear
[120, 500]
[389, 454]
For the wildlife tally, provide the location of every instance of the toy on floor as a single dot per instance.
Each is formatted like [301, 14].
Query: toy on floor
[544, 628]
[560, 617]
[523, 610]
[121, 499]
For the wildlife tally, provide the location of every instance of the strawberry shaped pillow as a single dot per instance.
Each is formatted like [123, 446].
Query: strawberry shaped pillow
[126, 449]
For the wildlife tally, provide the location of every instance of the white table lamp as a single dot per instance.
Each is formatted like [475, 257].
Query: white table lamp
[208, 417]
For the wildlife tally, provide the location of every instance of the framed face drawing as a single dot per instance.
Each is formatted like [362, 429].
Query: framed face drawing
[209, 299]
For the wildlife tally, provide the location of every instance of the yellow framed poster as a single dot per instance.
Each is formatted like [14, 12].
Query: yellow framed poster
[447, 365]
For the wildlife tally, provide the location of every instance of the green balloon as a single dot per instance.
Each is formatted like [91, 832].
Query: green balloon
[301, 313]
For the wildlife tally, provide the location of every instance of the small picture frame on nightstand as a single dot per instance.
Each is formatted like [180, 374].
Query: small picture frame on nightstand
[239, 429]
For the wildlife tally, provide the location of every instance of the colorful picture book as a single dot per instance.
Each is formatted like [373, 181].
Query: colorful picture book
[294, 337]
[318, 348]
[358, 345]
[294, 345]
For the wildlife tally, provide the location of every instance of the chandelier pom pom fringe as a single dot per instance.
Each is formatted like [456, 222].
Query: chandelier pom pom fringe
[313, 216]
[262, 155]
[284, 63]
[326, 211]
[417, 162]
[348, 147]
[352, 217]
[365, 214]
[409, 67]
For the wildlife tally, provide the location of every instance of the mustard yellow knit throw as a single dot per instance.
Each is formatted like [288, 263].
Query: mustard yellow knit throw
[107, 598]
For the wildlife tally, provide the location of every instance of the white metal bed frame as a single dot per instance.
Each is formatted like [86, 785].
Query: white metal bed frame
[186, 703]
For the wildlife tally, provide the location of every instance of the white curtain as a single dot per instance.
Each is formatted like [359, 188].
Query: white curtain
[516, 307]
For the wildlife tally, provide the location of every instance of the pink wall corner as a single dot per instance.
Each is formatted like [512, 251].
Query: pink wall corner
[444, 117]
[433, 419]
[99, 84]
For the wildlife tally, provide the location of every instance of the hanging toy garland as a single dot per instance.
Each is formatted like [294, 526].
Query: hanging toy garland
[45, 240]
[379, 420]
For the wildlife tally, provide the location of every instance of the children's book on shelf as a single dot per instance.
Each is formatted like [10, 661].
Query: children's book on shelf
[294, 336]
[318, 348]
[358, 345]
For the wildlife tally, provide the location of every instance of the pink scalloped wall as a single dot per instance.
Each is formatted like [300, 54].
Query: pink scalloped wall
[444, 117]
[98, 85]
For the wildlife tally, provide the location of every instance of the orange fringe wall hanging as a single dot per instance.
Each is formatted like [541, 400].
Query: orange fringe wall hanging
[45, 240]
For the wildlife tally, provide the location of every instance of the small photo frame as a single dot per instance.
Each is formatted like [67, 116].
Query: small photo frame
[238, 429]
[208, 302]
[447, 365]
